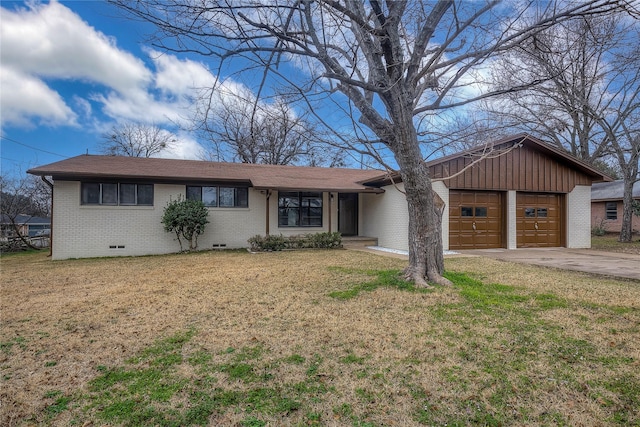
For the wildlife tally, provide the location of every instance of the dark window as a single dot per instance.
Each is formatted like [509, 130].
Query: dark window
[210, 196]
[136, 194]
[127, 194]
[611, 209]
[481, 212]
[466, 211]
[542, 212]
[299, 209]
[194, 193]
[224, 197]
[90, 193]
[110, 193]
[145, 194]
[529, 212]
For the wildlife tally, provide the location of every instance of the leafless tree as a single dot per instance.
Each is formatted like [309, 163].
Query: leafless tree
[623, 133]
[385, 63]
[257, 132]
[589, 100]
[240, 127]
[136, 140]
[26, 197]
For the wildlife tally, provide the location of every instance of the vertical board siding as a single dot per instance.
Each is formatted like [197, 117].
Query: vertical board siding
[522, 169]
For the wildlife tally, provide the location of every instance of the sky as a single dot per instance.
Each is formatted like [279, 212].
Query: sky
[72, 70]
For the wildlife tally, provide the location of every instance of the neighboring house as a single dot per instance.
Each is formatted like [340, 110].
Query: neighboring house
[28, 226]
[606, 205]
[534, 195]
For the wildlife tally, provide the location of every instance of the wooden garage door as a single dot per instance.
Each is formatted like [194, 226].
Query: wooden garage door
[539, 220]
[475, 219]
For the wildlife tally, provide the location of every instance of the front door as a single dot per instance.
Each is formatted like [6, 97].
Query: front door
[348, 214]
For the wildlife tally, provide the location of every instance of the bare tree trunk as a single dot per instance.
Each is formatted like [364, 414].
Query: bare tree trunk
[426, 258]
[626, 230]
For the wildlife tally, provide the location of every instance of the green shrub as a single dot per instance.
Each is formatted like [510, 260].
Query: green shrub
[279, 242]
[267, 243]
[187, 219]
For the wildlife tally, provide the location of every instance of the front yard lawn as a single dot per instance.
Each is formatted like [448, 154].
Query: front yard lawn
[312, 338]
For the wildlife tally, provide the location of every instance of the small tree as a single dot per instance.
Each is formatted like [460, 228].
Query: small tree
[186, 218]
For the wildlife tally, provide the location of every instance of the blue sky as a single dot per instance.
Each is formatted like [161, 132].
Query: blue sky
[71, 70]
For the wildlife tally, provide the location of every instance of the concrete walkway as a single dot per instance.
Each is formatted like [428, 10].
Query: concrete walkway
[625, 266]
[587, 260]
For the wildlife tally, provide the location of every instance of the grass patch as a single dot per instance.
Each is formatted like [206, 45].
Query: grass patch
[609, 243]
[238, 339]
[385, 278]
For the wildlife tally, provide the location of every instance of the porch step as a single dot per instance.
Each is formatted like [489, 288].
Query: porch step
[359, 241]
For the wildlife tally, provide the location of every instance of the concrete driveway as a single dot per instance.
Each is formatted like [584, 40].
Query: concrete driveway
[587, 260]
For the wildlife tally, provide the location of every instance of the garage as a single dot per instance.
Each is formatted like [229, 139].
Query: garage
[475, 219]
[539, 220]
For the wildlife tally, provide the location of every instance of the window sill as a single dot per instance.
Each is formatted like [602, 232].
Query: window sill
[116, 207]
[300, 227]
[217, 208]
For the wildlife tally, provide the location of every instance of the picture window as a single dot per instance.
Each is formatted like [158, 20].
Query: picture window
[299, 209]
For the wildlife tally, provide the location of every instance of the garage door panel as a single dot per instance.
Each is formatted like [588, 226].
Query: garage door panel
[475, 219]
[539, 220]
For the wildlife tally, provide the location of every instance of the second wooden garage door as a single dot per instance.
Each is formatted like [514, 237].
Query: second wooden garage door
[475, 219]
[539, 220]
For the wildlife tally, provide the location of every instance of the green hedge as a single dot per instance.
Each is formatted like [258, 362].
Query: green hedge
[279, 242]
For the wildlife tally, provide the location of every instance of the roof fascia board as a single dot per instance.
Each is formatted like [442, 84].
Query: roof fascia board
[328, 190]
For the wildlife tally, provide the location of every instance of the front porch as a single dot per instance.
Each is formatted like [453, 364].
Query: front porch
[355, 242]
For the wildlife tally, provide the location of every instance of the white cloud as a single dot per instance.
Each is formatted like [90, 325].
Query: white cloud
[47, 43]
[58, 70]
[25, 98]
[185, 148]
[180, 77]
[169, 100]
[49, 40]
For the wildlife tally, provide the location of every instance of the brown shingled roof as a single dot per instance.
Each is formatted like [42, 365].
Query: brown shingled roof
[172, 170]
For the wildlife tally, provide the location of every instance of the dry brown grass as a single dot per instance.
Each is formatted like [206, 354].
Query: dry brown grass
[385, 357]
[609, 243]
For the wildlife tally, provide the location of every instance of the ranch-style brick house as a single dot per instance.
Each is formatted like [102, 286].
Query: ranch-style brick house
[533, 195]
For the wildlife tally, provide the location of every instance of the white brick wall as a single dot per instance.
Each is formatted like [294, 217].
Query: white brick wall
[82, 231]
[579, 217]
[511, 221]
[386, 216]
[443, 192]
[88, 231]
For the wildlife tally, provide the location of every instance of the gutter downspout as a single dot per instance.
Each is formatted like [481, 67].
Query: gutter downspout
[50, 184]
